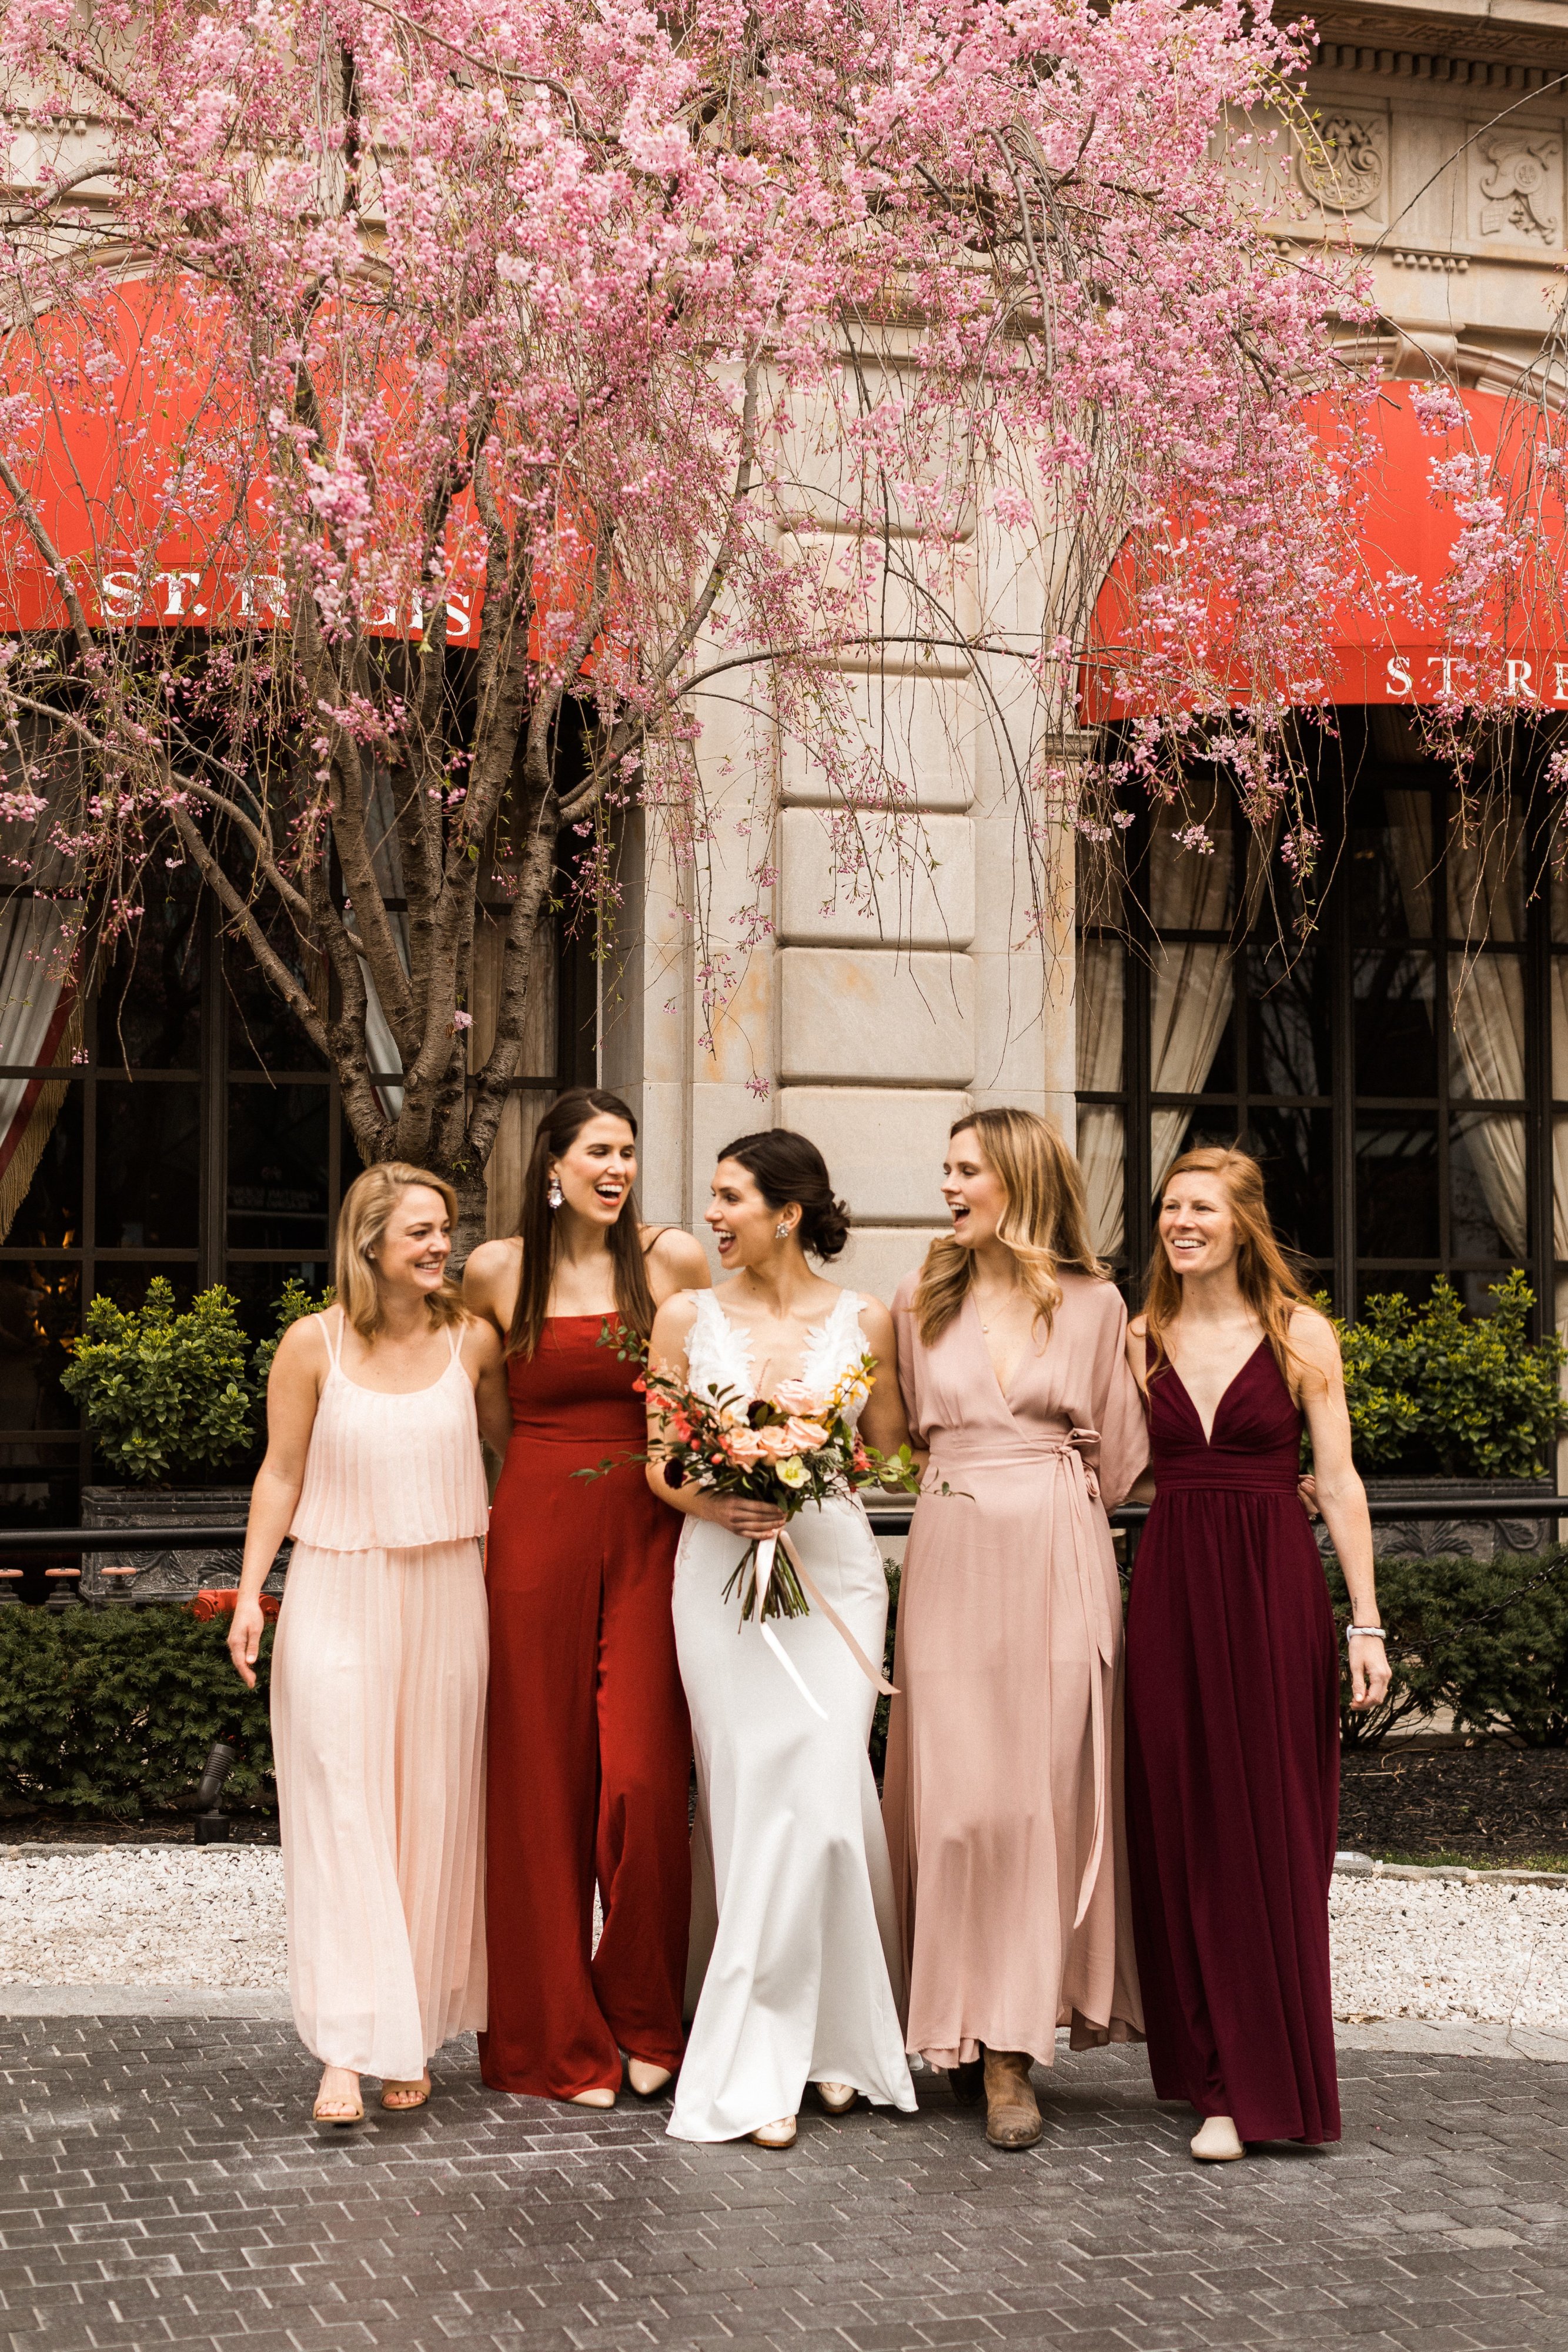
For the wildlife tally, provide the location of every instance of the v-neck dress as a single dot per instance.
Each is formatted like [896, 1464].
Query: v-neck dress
[1233, 1765]
[1003, 1791]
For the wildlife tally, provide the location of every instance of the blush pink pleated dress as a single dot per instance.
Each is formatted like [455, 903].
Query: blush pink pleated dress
[378, 1723]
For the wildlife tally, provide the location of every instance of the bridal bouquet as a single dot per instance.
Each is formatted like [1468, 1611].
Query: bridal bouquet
[797, 1446]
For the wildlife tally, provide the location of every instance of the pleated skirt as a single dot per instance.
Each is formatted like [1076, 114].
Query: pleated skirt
[378, 1725]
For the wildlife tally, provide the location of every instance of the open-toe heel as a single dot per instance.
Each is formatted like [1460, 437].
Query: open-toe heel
[402, 2099]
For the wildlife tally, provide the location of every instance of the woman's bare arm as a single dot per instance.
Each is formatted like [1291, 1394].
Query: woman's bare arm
[667, 1352]
[486, 1360]
[883, 1424]
[1341, 1497]
[293, 1393]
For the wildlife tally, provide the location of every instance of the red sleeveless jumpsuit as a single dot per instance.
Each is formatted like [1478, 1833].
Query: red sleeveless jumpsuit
[589, 1747]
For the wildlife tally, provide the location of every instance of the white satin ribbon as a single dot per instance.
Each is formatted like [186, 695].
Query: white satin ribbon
[767, 1559]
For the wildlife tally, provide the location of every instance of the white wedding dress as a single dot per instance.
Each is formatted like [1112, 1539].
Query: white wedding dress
[794, 1953]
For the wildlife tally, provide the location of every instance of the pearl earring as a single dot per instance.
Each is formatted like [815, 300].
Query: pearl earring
[555, 1196]
[782, 1231]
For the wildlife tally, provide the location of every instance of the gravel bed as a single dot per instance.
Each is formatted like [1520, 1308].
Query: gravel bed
[142, 1914]
[1435, 1947]
[211, 1918]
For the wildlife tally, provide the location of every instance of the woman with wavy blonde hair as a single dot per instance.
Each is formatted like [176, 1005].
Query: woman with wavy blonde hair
[1002, 1796]
[1232, 1667]
[374, 1412]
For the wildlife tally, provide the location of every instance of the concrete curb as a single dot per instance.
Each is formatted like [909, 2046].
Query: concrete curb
[261, 2004]
[1362, 1865]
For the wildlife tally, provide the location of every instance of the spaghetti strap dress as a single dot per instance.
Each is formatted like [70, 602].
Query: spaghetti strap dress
[1233, 1765]
[589, 1749]
[377, 1720]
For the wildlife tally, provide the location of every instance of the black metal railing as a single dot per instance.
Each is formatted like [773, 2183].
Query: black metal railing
[887, 1519]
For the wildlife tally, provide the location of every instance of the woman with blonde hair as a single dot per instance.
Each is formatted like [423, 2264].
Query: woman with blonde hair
[1002, 1796]
[374, 1412]
[1233, 1668]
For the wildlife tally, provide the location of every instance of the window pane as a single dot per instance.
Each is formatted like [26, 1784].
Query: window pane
[149, 1144]
[40, 1309]
[1100, 1155]
[1391, 861]
[51, 1214]
[126, 1280]
[1486, 1189]
[1560, 1188]
[258, 1289]
[1189, 889]
[1485, 875]
[1288, 1021]
[277, 1168]
[1395, 1050]
[1486, 1008]
[1560, 1027]
[263, 1033]
[1102, 977]
[1296, 1150]
[1414, 1283]
[1397, 1188]
[150, 1005]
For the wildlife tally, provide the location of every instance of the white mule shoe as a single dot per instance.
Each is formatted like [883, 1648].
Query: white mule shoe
[603, 2097]
[837, 2097]
[1218, 2142]
[778, 2134]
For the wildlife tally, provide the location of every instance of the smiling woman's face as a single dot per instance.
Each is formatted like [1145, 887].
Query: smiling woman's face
[976, 1196]
[744, 1226]
[1196, 1224]
[415, 1242]
[598, 1169]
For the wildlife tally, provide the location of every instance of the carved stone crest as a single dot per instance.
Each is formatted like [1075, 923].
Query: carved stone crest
[1342, 163]
[1517, 185]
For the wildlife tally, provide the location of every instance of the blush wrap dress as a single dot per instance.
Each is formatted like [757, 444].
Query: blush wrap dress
[589, 1749]
[378, 1722]
[1003, 1791]
[1233, 1765]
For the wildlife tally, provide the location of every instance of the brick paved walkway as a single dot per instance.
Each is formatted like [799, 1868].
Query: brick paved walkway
[160, 2186]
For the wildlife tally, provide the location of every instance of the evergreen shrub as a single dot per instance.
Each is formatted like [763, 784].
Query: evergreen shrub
[1488, 1638]
[1433, 1390]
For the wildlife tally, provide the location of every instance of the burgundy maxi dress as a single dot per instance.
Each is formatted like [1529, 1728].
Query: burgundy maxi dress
[1233, 1765]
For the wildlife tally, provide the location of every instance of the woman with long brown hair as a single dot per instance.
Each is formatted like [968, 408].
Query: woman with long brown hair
[1233, 1668]
[590, 1749]
[1002, 1795]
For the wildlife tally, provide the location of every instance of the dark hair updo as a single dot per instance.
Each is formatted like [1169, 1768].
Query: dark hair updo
[787, 1167]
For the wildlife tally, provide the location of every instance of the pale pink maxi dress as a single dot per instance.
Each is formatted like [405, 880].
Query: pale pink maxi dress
[378, 1722]
[1003, 1789]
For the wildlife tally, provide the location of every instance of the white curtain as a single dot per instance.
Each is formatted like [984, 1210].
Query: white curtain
[1192, 986]
[386, 854]
[40, 1022]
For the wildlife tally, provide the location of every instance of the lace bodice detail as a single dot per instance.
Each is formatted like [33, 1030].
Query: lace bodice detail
[718, 1353]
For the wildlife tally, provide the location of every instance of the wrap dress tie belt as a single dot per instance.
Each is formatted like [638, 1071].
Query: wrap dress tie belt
[1078, 1452]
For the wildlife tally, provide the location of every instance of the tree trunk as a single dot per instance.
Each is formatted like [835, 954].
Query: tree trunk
[472, 1209]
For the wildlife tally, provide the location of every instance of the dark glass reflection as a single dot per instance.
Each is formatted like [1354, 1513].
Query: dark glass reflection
[1391, 858]
[277, 1168]
[150, 1003]
[263, 1033]
[149, 1145]
[125, 1280]
[1486, 1196]
[50, 1215]
[1295, 1148]
[1395, 1051]
[258, 1289]
[1413, 1282]
[1288, 1026]
[40, 1310]
[1397, 1188]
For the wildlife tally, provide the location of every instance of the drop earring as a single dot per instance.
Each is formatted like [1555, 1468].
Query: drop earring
[555, 1196]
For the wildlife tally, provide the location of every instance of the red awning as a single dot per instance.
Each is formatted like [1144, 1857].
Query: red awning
[139, 449]
[1404, 636]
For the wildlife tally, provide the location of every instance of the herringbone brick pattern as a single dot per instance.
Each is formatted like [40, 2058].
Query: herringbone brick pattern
[159, 2184]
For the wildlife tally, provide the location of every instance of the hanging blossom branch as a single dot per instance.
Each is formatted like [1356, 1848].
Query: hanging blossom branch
[465, 388]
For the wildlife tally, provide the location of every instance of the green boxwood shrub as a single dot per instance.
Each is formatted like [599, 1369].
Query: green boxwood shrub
[163, 1391]
[1486, 1637]
[1432, 1389]
[111, 1712]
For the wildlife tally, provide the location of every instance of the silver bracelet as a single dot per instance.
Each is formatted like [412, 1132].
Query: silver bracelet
[1375, 1632]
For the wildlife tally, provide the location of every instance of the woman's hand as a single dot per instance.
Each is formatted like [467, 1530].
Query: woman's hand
[1370, 1673]
[740, 1514]
[244, 1639]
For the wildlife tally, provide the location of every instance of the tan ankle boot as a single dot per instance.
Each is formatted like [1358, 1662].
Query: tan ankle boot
[1012, 2111]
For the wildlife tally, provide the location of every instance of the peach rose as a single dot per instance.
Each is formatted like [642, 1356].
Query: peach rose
[776, 1441]
[794, 1396]
[804, 1436]
[745, 1446]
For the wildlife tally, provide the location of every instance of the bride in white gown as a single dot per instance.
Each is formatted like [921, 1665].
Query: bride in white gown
[794, 1959]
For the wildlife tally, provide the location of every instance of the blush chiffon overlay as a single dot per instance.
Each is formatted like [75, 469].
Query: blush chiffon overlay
[1233, 1765]
[378, 1718]
[1003, 1791]
[590, 1749]
[794, 1953]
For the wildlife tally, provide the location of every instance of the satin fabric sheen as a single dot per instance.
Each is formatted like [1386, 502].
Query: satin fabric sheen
[378, 1713]
[589, 1749]
[794, 1936]
[1003, 1788]
[1233, 1765]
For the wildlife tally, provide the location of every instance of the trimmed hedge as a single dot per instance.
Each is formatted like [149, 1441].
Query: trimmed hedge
[1486, 1637]
[112, 1711]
